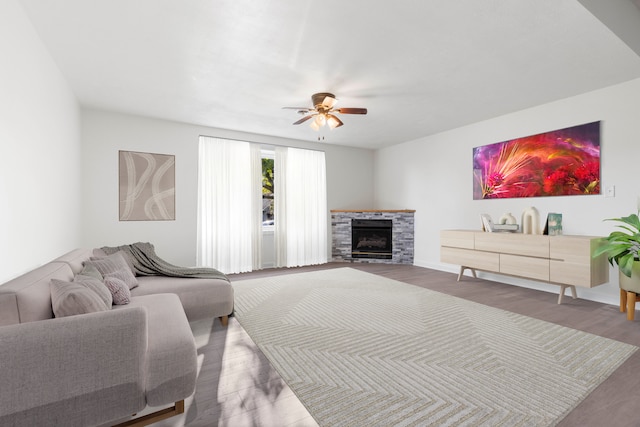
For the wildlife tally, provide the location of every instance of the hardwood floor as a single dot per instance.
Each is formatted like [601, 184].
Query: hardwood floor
[238, 387]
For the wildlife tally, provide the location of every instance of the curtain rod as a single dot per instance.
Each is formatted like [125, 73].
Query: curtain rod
[261, 143]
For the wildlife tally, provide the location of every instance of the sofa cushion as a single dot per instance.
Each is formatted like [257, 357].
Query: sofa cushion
[97, 286]
[171, 356]
[115, 264]
[119, 290]
[200, 298]
[70, 299]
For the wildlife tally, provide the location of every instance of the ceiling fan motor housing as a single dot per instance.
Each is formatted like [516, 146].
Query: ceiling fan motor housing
[318, 98]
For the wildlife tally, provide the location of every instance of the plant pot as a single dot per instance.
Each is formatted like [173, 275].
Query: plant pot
[631, 284]
[629, 290]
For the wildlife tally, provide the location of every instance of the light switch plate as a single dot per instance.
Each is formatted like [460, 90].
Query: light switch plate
[610, 191]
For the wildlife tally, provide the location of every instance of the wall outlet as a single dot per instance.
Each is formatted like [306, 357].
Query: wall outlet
[610, 191]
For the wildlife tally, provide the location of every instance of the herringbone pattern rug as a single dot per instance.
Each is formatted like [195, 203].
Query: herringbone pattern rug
[362, 350]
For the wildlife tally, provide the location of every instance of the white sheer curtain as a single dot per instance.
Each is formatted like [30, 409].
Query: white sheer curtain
[229, 180]
[256, 206]
[279, 206]
[300, 200]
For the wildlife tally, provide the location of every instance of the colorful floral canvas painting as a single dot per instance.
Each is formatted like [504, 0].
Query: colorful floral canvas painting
[562, 162]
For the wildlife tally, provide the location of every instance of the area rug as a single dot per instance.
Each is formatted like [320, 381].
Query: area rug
[362, 350]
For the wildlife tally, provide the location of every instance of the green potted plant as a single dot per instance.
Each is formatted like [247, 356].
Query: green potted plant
[622, 248]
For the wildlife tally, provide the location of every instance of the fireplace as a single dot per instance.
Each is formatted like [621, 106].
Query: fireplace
[371, 238]
[402, 242]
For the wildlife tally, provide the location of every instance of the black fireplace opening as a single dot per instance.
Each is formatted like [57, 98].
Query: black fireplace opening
[371, 238]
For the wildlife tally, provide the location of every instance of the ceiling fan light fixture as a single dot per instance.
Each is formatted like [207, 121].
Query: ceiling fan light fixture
[320, 120]
[314, 125]
[333, 122]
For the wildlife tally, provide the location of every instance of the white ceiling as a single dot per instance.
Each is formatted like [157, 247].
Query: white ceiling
[419, 67]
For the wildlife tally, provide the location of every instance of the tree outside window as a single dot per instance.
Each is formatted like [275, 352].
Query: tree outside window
[267, 192]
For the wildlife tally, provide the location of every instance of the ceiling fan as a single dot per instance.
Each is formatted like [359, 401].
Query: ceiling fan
[323, 111]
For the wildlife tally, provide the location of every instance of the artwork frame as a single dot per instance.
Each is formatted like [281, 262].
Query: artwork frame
[563, 162]
[553, 225]
[146, 186]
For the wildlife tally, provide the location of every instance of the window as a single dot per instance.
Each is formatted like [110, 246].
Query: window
[243, 188]
[267, 189]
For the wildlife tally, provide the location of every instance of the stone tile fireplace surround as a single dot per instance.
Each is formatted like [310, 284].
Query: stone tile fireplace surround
[402, 234]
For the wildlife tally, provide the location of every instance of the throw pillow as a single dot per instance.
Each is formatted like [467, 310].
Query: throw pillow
[114, 263]
[95, 285]
[119, 290]
[102, 252]
[69, 299]
[90, 270]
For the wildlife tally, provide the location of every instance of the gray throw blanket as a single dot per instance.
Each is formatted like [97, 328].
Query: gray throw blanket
[145, 262]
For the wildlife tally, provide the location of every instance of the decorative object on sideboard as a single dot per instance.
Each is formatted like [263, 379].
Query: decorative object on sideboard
[487, 223]
[507, 219]
[506, 227]
[489, 226]
[563, 162]
[622, 248]
[531, 221]
[553, 225]
[507, 222]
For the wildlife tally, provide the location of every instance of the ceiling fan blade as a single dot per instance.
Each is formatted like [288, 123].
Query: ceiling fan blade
[298, 108]
[352, 110]
[304, 119]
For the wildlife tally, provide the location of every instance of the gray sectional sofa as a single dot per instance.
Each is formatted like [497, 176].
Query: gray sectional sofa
[100, 368]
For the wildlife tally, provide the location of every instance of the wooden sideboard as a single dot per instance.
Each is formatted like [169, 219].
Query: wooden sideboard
[560, 260]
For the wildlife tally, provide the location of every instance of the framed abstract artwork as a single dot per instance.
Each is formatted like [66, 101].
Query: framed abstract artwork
[146, 186]
[562, 162]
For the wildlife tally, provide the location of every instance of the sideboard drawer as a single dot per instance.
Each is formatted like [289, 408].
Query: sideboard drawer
[576, 249]
[513, 243]
[486, 261]
[522, 266]
[572, 262]
[570, 273]
[457, 238]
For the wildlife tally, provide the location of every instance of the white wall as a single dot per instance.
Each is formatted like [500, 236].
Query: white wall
[40, 162]
[349, 179]
[434, 175]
